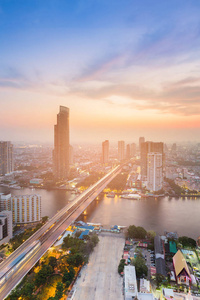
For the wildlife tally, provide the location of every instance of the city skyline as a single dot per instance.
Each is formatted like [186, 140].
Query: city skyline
[124, 70]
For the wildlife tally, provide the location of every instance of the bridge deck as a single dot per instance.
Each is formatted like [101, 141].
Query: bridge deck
[66, 219]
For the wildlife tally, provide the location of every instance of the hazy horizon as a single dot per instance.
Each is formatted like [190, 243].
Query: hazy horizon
[124, 70]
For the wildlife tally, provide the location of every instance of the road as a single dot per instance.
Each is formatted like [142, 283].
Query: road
[52, 235]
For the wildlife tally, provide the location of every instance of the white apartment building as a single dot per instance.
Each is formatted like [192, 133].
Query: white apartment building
[26, 208]
[154, 171]
[5, 201]
[5, 226]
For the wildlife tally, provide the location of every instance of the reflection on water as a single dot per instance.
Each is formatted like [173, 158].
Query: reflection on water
[175, 214]
[171, 214]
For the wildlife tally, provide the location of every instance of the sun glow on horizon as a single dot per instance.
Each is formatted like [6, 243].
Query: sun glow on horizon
[134, 71]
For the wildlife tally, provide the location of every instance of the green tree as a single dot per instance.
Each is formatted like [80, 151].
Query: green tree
[94, 239]
[59, 290]
[187, 242]
[141, 232]
[45, 219]
[14, 295]
[151, 235]
[159, 279]
[43, 274]
[119, 182]
[140, 266]
[68, 276]
[122, 263]
[91, 179]
[52, 261]
[71, 242]
[136, 232]
[27, 290]
[75, 259]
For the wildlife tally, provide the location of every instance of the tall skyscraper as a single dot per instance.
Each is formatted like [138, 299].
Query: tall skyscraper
[141, 140]
[148, 147]
[71, 155]
[132, 149]
[121, 150]
[128, 151]
[105, 152]
[173, 150]
[61, 144]
[6, 158]
[154, 171]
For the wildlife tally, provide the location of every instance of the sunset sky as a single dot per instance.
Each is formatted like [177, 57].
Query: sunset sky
[124, 68]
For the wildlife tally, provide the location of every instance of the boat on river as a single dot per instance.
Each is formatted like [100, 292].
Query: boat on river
[111, 195]
[131, 196]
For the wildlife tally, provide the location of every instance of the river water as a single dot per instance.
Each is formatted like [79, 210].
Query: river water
[52, 200]
[175, 214]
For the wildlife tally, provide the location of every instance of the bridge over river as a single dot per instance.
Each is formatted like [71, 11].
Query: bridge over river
[18, 264]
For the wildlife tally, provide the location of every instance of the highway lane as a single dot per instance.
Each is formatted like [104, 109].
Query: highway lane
[59, 230]
[42, 230]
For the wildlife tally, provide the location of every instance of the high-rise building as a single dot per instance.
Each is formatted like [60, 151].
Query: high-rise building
[61, 144]
[5, 201]
[141, 140]
[5, 226]
[173, 150]
[26, 208]
[128, 151]
[121, 150]
[71, 155]
[132, 149]
[105, 152]
[154, 171]
[6, 158]
[148, 147]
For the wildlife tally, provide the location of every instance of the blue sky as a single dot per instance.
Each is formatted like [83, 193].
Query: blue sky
[124, 68]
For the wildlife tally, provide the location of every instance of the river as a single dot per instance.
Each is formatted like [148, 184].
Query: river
[175, 214]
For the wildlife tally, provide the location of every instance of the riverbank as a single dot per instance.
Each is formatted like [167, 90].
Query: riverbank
[158, 214]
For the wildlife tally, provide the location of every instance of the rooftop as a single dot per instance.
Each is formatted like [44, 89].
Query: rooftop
[180, 263]
[130, 289]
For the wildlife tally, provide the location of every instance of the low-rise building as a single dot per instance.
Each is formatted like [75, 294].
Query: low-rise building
[130, 283]
[168, 293]
[159, 255]
[145, 296]
[145, 286]
[182, 271]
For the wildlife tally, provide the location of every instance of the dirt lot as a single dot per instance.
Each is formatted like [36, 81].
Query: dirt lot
[99, 279]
